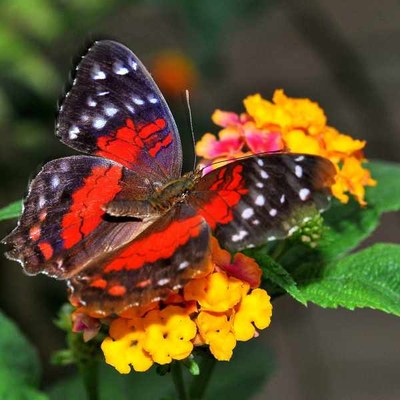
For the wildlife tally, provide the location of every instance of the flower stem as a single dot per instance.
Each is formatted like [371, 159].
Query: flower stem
[89, 374]
[177, 377]
[200, 382]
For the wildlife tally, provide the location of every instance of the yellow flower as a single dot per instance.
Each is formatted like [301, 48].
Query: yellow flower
[216, 331]
[216, 292]
[168, 334]
[255, 308]
[287, 113]
[339, 145]
[124, 347]
[299, 142]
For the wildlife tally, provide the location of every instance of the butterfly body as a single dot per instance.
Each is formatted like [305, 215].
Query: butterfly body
[120, 223]
[159, 202]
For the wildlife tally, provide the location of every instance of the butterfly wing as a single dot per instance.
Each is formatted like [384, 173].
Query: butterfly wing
[115, 110]
[63, 225]
[163, 258]
[254, 200]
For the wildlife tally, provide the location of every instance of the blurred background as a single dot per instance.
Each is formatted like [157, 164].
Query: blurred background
[343, 54]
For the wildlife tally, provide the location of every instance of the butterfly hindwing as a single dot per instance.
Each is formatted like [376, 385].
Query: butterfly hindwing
[257, 199]
[63, 224]
[115, 110]
[163, 258]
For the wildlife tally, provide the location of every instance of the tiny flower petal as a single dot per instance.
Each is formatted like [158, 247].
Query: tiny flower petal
[215, 329]
[244, 268]
[124, 348]
[336, 142]
[216, 292]
[298, 142]
[225, 118]
[254, 309]
[210, 148]
[262, 141]
[168, 334]
[82, 322]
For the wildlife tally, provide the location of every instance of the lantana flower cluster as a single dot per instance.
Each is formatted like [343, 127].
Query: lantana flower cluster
[288, 124]
[217, 310]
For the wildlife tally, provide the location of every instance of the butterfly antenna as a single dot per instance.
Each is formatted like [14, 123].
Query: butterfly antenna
[191, 127]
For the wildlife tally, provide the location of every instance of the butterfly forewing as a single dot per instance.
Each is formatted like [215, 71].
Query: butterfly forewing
[115, 110]
[254, 200]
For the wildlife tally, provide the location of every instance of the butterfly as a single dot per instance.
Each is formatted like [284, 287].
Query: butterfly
[121, 224]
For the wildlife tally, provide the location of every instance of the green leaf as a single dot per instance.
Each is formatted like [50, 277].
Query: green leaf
[252, 363]
[13, 210]
[386, 195]
[275, 273]
[19, 365]
[369, 278]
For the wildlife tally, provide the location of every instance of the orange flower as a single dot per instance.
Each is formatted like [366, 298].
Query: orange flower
[174, 72]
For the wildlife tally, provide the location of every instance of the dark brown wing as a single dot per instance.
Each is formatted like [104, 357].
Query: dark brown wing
[257, 199]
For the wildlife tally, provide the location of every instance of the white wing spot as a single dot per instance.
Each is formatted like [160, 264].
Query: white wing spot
[260, 200]
[163, 281]
[260, 185]
[97, 73]
[299, 158]
[239, 236]
[183, 265]
[73, 132]
[84, 118]
[247, 213]
[304, 193]
[110, 110]
[282, 199]
[55, 181]
[41, 202]
[130, 108]
[120, 69]
[133, 64]
[256, 222]
[99, 123]
[152, 99]
[264, 175]
[103, 93]
[273, 212]
[298, 171]
[260, 162]
[91, 102]
[138, 101]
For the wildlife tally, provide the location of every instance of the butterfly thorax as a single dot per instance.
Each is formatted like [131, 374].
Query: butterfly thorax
[161, 200]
